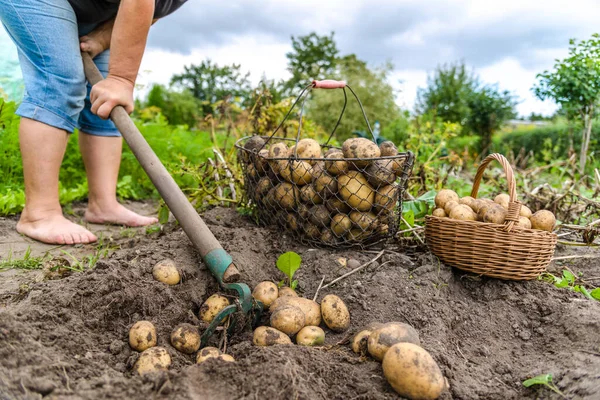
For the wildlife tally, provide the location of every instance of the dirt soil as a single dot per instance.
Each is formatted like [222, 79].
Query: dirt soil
[65, 336]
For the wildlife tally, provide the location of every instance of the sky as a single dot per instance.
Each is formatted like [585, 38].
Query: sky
[506, 42]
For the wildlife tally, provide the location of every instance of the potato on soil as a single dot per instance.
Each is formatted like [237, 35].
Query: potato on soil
[336, 205]
[308, 194]
[206, 353]
[152, 360]
[386, 197]
[444, 196]
[310, 336]
[341, 224]
[326, 185]
[287, 291]
[335, 313]
[311, 231]
[412, 372]
[298, 172]
[356, 191]
[286, 195]
[525, 211]
[388, 148]
[266, 292]
[212, 306]
[450, 205]
[524, 222]
[165, 271]
[306, 148]
[502, 199]
[495, 215]
[186, 338]
[359, 342]
[463, 212]
[310, 309]
[439, 212]
[288, 319]
[543, 220]
[336, 166]
[226, 357]
[267, 336]
[319, 215]
[360, 148]
[142, 335]
[381, 339]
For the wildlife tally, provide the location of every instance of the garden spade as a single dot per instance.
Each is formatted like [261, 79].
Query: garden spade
[218, 261]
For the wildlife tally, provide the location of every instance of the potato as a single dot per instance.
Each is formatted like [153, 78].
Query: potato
[266, 292]
[381, 339]
[277, 150]
[327, 236]
[212, 306]
[291, 221]
[463, 212]
[266, 336]
[287, 291]
[311, 231]
[252, 145]
[310, 309]
[309, 195]
[450, 205]
[298, 172]
[288, 319]
[503, 200]
[382, 229]
[477, 204]
[142, 335]
[357, 235]
[302, 212]
[525, 211]
[262, 187]
[412, 372]
[543, 220]
[226, 357]
[336, 205]
[439, 212]
[252, 172]
[359, 342]
[444, 196]
[341, 224]
[360, 148]
[331, 150]
[335, 313]
[286, 195]
[152, 360]
[261, 161]
[206, 353]
[485, 206]
[388, 148]
[356, 191]
[306, 148]
[338, 166]
[165, 271]
[326, 185]
[524, 222]
[386, 197]
[467, 201]
[495, 215]
[380, 173]
[310, 336]
[365, 221]
[319, 216]
[186, 338]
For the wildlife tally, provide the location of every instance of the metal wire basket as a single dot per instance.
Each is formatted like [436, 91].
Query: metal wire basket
[325, 199]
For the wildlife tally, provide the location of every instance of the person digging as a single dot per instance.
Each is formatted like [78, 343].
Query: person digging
[49, 37]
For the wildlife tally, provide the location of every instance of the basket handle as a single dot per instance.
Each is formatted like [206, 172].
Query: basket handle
[514, 206]
[328, 84]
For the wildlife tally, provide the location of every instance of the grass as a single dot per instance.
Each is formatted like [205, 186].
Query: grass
[89, 261]
[28, 262]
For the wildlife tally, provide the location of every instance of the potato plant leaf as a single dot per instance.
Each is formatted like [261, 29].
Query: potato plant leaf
[163, 214]
[288, 263]
[595, 293]
[545, 379]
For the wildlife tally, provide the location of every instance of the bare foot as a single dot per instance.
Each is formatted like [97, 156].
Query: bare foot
[118, 215]
[54, 229]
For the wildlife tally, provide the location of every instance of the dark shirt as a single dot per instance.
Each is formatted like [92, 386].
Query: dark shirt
[97, 11]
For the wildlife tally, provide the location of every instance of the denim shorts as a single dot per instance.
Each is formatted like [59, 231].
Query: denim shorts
[46, 34]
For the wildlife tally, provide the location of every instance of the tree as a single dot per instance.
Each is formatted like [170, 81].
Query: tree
[312, 57]
[574, 84]
[488, 110]
[179, 108]
[447, 93]
[210, 83]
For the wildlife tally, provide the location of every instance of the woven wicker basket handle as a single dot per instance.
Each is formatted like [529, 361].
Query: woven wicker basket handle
[514, 206]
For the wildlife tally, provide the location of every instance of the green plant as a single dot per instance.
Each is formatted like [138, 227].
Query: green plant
[288, 263]
[568, 281]
[153, 229]
[27, 262]
[544, 380]
[89, 261]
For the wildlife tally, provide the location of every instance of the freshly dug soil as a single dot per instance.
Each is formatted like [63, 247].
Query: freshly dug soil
[66, 337]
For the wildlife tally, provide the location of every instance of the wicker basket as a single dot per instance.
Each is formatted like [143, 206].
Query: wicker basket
[499, 251]
[314, 214]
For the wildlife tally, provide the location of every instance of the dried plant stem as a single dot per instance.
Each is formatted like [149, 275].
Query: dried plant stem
[319, 288]
[355, 270]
